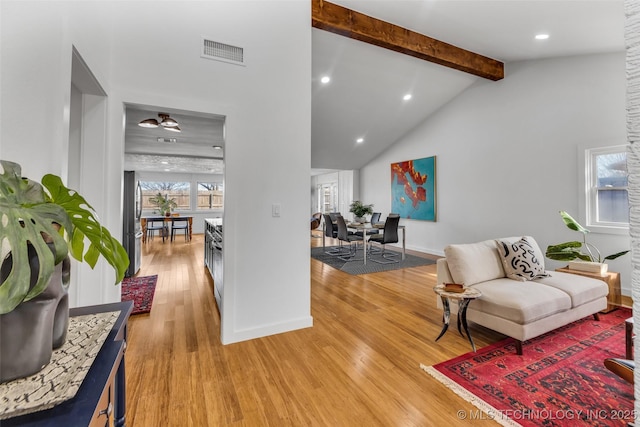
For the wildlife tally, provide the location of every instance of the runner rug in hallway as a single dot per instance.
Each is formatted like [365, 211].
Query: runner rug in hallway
[140, 290]
[560, 380]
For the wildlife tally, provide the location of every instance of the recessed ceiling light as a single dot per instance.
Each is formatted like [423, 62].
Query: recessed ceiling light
[164, 163]
[325, 79]
[217, 147]
[542, 36]
[407, 97]
[360, 140]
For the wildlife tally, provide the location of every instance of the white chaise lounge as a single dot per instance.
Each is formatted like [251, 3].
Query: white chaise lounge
[519, 298]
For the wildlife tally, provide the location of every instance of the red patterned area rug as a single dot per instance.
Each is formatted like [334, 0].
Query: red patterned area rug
[140, 290]
[560, 380]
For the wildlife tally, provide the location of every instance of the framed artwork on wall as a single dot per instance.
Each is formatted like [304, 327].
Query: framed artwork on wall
[413, 189]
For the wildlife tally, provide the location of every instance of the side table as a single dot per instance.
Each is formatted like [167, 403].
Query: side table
[614, 299]
[464, 299]
[100, 400]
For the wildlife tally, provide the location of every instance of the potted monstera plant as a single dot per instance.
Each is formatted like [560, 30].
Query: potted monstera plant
[581, 255]
[39, 228]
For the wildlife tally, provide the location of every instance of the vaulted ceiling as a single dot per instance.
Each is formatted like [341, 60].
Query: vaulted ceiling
[364, 98]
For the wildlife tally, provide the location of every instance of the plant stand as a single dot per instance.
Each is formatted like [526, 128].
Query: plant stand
[612, 279]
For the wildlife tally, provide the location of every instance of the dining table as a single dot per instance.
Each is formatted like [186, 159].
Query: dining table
[367, 226]
[166, 219]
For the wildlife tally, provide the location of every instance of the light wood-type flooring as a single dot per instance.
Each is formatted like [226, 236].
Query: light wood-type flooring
[359, 365]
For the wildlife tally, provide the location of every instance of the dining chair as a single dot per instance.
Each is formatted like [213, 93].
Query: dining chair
[345, 236]
[330, 230]
[389, 235]
[153, 225]
[375, 219]
[180, 223]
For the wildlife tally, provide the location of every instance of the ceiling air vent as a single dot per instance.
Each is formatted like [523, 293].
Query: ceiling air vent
[171, 140]
[222, 52]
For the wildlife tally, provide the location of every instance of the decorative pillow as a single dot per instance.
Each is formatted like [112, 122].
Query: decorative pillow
[520, 261]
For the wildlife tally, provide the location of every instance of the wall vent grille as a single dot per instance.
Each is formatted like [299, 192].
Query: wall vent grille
[171, 140]
[222, 52]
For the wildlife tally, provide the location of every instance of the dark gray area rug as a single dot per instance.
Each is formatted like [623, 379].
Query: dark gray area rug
[356, 266]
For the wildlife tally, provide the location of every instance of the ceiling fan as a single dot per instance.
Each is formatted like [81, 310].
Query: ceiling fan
[166, 122]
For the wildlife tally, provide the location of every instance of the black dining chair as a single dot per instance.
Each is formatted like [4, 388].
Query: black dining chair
[345, 236]
[180, 223]
[389, 235]
[375, 219]
[330, 230]
[153, 225]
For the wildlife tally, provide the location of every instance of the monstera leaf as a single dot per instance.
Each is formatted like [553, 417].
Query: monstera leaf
[86, 225]
[29, 217]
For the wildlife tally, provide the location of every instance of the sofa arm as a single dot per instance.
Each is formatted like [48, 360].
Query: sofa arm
[444, 275]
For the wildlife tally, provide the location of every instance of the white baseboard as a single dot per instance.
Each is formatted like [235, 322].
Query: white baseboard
[266, 330]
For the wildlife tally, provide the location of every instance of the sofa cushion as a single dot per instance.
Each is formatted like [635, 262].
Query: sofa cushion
[519, 260]
[580, 289]
[472, 263]
[520, 302]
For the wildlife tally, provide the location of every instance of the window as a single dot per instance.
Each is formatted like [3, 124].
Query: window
[178, 191]
[607, 202]
[328, 197]
[210, 196]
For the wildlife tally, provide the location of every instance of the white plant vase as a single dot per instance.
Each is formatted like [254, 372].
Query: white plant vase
[591, 267]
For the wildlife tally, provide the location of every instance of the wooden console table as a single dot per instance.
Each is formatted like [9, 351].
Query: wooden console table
[100, 400]
[614, 299]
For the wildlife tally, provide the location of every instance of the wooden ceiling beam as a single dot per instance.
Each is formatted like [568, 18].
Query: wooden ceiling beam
[349, 23]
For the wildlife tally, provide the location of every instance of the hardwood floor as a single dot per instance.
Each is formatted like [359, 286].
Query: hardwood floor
[359, 365]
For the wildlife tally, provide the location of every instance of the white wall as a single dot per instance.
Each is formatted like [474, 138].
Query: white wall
[507, 155]
[155, 61]
[35, 86]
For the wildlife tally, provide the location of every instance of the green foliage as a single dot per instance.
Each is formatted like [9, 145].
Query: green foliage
[570, 251]
[164, 204]
[31, 216]
[360, 210]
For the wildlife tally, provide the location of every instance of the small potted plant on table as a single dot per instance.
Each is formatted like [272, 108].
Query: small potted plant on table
[164, 204]
[359, 210]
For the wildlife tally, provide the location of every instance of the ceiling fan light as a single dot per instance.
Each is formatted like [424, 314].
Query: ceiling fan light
[173, 128]
[168, 122]
[148, 123]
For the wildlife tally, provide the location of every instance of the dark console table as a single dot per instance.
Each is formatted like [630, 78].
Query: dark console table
[100, 400]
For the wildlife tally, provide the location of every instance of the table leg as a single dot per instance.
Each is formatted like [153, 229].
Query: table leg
[364, 242]
[324, 230]
[462, 318]
[628, 339]
[445, 316]
[403, 245]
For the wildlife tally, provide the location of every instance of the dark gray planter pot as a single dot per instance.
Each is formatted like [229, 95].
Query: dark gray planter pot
[30, 333]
